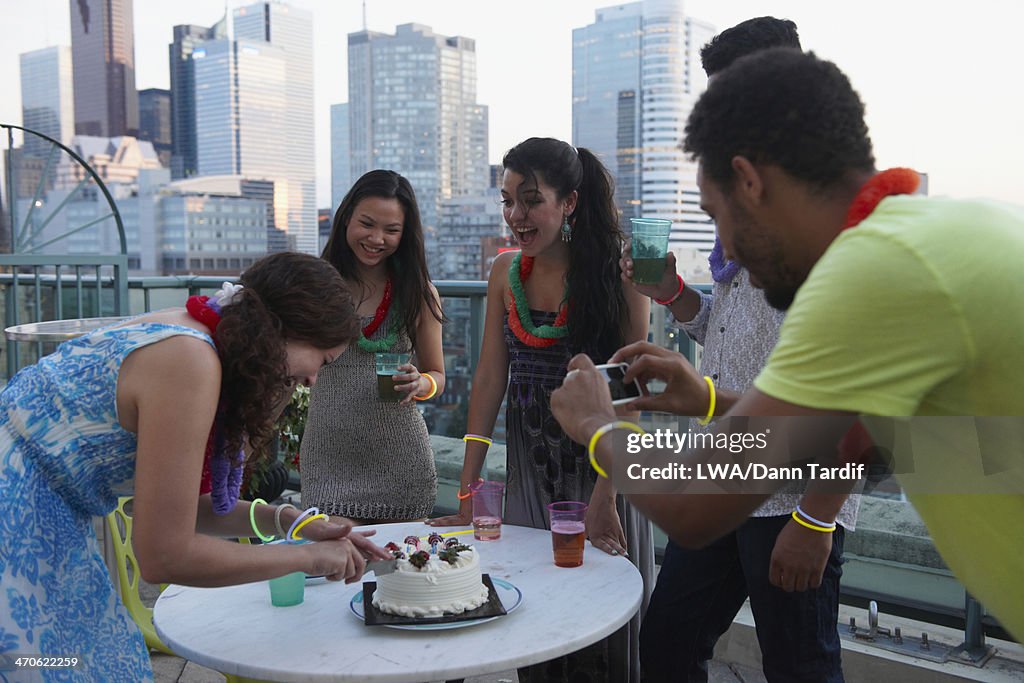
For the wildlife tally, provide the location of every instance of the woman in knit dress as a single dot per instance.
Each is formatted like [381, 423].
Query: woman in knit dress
[363, 458]
[559, 296]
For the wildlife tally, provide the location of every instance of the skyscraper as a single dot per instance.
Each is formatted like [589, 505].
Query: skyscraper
[155, 121]
[636, 75]
[341, 171]
[240, 112]
[103, 59]
[183, 104]
[244, 106]
[290, 30]
[412, 109]
[47, 102]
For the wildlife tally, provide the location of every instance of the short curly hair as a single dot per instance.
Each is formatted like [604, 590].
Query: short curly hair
[747, 37]
[781, 107]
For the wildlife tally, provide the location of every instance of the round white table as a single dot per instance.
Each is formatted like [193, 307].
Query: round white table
[235, 629]
[57, 330]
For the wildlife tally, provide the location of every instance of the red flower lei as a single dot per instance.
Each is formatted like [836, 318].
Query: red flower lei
[382, 311]
[515, 323]
[857, 445]
[200, 310]
[878, 187]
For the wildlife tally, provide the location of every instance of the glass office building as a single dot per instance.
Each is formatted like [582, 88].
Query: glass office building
[103, 59]
[636, 75]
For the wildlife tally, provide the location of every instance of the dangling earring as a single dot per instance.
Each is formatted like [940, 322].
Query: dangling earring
[566, 230]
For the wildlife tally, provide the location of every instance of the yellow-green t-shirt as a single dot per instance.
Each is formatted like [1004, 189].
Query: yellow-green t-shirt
[919, 311]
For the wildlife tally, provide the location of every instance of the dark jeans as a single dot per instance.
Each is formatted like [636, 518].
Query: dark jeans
[699, 592]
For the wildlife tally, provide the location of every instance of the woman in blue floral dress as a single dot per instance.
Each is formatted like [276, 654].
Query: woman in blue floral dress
[129, 410]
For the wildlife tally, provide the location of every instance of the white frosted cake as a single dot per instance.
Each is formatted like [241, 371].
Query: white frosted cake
[431, 580]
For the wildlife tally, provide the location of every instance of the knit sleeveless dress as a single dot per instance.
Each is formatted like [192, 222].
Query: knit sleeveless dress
[361, 457]
[63, 459]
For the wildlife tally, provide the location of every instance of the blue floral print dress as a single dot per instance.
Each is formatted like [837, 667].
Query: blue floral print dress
[63, 459]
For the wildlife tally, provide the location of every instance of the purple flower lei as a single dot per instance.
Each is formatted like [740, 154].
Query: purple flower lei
[225, 473]
[720, 270]
[225, 470]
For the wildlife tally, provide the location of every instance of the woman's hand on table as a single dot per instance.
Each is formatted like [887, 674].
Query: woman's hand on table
[604, 528]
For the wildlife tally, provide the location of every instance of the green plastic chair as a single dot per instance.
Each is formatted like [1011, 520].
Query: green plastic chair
[120, 524]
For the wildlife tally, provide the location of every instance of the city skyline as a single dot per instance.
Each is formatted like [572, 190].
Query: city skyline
[930, 80]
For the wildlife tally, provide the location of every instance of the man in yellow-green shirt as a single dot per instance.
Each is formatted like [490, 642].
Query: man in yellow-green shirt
[905, 310]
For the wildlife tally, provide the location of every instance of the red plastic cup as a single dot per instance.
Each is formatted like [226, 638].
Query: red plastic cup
[568, 532]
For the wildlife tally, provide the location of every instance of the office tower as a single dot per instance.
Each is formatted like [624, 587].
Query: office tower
[155, 121]
[341, 172]
[240, 112]
[47, 100]
[412, 109]
[636, 75]
[289, 30]
[103, 60]
[183, 105]
[466, 222]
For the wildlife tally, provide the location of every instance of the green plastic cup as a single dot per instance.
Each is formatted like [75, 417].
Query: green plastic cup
[288, 590]
[650, 247]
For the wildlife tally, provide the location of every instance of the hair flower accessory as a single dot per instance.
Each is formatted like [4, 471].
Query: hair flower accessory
[227, 294]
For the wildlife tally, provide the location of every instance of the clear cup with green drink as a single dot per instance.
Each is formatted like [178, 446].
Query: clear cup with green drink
[650, 247]
[387, 367]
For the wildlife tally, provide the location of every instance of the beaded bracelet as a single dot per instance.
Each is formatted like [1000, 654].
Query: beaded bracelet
[252, 520]
[827, 525]
[679, 292]
[815, 527]
[433, 387]
[277, 518]
[601, 431]
[711, 404]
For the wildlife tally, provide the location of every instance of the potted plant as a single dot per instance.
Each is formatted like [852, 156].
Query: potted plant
[291, 427]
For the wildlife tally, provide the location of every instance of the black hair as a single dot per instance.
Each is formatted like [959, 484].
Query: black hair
[597, 312]
[781, 107]
[411, 286]
[752, 35]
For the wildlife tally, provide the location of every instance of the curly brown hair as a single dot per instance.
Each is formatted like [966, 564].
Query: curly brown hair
[285, 297]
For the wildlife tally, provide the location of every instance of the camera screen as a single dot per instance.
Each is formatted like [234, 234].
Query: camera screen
[619, 388]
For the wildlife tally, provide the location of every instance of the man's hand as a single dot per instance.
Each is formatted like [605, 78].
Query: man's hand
[583, 402]
[664, 289]
[799, 558]
[686, 392]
